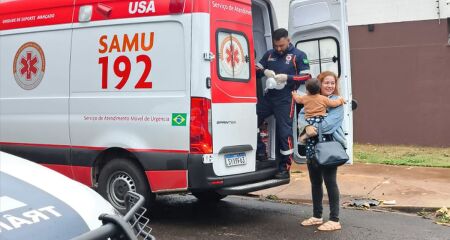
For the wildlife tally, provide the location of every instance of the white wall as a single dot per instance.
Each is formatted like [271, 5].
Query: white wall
[362, 12]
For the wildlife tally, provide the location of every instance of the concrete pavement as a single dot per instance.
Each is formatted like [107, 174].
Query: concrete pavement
[411, 187]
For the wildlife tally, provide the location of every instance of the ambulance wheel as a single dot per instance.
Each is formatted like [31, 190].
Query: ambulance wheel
[120, 176]
[209, 196]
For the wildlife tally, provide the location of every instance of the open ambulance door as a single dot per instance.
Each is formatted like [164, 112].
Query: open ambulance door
[319, 28]
[233, 89]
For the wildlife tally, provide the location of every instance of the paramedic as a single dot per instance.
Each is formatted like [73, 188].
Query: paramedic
[288, 66]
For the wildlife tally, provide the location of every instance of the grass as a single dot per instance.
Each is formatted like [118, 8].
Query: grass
[443, 219]
[272, 197]
[441, 216]
[402, 155]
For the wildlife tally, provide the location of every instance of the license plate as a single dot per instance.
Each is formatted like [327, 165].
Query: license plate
[235, 159]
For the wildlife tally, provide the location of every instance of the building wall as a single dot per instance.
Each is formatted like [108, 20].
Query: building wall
[401, 78]
[400, 71]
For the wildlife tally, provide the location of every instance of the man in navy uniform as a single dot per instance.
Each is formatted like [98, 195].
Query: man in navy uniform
[289, 67]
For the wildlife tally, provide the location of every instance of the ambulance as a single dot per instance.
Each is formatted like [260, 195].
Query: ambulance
[153, 96]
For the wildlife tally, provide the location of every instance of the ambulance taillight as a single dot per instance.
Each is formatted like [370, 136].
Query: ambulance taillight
[200, 127]
[176, 6]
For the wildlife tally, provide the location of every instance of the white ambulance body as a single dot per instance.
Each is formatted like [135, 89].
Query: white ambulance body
[153, 96]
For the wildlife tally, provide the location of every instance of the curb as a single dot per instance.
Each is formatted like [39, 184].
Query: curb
[410, 209]
[283, 200]
[403, 209]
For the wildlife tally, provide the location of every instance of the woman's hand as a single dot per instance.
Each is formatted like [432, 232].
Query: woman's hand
[311, 131]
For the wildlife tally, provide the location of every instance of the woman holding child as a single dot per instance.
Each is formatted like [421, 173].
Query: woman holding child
[331, 128]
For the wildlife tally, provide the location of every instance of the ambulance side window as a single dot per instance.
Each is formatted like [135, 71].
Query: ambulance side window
[323, 54]
[233, 61]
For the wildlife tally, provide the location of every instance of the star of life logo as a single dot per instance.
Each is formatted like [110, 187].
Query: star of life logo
[29, 65]
[232, 57]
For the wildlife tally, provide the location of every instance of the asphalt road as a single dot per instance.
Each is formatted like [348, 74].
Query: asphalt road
[183, 217]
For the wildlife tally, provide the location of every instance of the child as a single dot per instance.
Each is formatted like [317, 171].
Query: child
[315, 105]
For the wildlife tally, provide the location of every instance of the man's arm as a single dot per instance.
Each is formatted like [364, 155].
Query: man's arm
[301, 65]
[302, 73]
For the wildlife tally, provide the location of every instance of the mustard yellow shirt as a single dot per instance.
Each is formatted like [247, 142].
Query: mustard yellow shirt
[316, 105]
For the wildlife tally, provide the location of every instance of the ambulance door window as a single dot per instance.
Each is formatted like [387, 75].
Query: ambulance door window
[233, 62]
[323, 54]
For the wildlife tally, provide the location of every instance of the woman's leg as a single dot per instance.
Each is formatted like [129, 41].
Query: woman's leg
[315, 176]
[329, 176]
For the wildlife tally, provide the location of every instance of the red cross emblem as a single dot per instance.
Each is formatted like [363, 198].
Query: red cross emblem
[232, 55]
[29, 65]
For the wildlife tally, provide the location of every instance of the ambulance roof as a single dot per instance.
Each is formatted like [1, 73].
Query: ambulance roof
[11, 6]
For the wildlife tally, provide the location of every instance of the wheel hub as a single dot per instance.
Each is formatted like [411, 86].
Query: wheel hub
[119, 183]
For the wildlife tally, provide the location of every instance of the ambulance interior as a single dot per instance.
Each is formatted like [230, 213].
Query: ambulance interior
[322, 49]
[263, 25]
[262, 38]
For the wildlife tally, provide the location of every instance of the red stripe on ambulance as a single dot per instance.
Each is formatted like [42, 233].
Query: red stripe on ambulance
[167, 180]
[92, 148]
[50, 12]
[83, 175]
[65, 170]
[34, 13]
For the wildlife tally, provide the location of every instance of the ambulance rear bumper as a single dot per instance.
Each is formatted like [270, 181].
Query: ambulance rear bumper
[202, 178]
[251, 187]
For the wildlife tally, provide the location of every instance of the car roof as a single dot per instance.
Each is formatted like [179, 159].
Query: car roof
[26, 186]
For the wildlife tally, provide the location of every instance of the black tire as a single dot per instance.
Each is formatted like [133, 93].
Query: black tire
[120, 176]
[209, 196]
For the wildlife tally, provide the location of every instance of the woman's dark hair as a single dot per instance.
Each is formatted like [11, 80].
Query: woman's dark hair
[279, 34]
[313, 86]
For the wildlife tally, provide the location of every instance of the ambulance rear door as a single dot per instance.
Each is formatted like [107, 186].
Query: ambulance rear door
[233, 88]
[319, 28]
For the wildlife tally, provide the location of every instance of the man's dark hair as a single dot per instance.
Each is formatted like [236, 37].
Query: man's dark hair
[279, 34]
[313, 86]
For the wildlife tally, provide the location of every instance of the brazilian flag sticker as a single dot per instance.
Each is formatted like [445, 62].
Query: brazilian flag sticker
[179, 119]
[305, 61]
